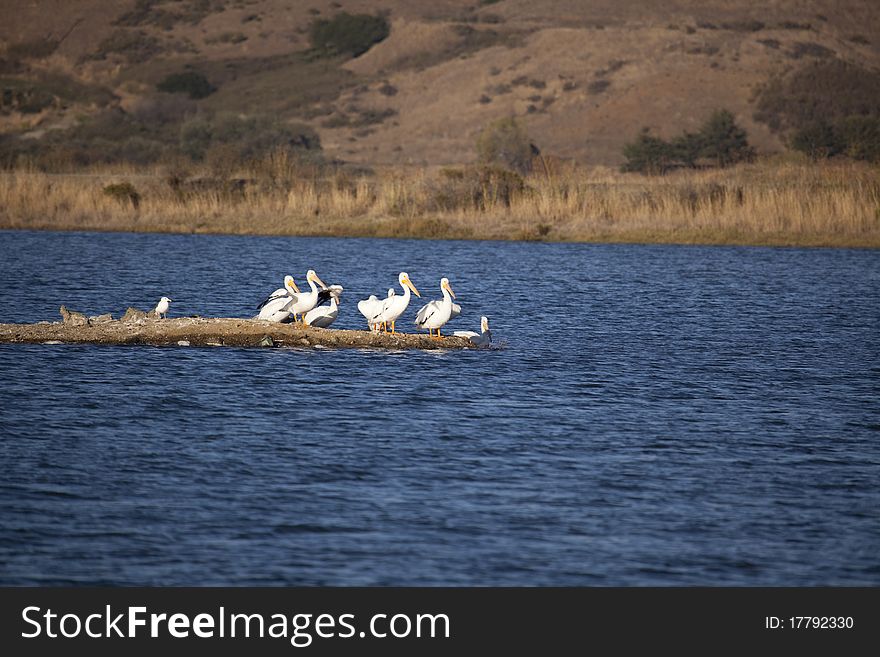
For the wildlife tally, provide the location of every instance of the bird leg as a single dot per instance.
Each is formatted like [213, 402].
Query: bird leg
[392, 328]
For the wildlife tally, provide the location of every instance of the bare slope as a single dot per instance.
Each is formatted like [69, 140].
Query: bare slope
[584, 77]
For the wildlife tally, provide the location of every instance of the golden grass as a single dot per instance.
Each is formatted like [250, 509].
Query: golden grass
[770, 202]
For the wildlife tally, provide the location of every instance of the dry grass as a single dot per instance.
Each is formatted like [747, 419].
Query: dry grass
[773, 202]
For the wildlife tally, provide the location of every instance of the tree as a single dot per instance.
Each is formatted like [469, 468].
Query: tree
[719, 140]
[860, 136]
[505, 143]
[687, 148]
[648, 154]
[817, 140]
[724, 141]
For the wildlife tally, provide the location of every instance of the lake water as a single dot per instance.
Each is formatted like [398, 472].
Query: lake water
[655, 415]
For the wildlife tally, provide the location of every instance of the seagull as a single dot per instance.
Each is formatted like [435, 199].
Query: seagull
[393, 306]
[275, 307]
[162, 307]
[482, 339]
[324, 316]
[434, 314]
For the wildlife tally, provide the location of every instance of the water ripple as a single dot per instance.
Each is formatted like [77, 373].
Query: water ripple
[657, 416]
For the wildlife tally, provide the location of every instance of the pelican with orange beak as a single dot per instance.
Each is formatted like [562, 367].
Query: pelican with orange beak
[481, 339]
[435, 314]
[303, 303]
[275, 307]
[394, 306]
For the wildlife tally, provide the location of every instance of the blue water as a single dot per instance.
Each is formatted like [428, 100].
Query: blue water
[656, 415]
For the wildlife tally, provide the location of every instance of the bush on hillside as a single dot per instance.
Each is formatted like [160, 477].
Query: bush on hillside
[720, 142]
[857, 137]
[860, 137]
[817, 140]
[347, 34]
[505, 143]
[193, 84]
[823, 91]
[246, 138]
[648, 154]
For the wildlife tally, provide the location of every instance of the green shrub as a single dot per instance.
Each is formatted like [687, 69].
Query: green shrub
[743, 26]
[817, 140]
[194, 84]
[648, 154]
[477, 187]
[860, 136]
[227, 37]
[347, 34]
[146, 12]
[723, 141]
[857, 137]
[720, 142]
[822, 91]
[809, 49]
[598, 86]
[124, 193]
[247, 138]
[498, 185]
[505, 143]
[133, 45]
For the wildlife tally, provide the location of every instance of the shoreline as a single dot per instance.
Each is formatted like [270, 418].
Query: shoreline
[869, 243]
[834, 205]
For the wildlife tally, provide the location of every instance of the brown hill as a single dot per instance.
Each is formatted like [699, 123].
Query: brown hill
[584, 77]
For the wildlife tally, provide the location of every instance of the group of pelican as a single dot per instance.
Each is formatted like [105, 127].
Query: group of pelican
[288, 302]
[285, 303]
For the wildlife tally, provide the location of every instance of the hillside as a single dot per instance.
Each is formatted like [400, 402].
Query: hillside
[584, 76]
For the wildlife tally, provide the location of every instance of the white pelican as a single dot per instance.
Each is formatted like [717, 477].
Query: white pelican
[481, 339]
[393, 306]
[435, 314]
[371, 307]
[275, 307]
[324, 316]
[162, 307]
[304, 302]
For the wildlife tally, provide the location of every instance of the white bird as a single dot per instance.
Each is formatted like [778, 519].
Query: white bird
[371, 307]
[482, 339]
[303, 303]
[435, 314]
[393, 306]
[324, 316]
[275, 307]
[162, 307]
